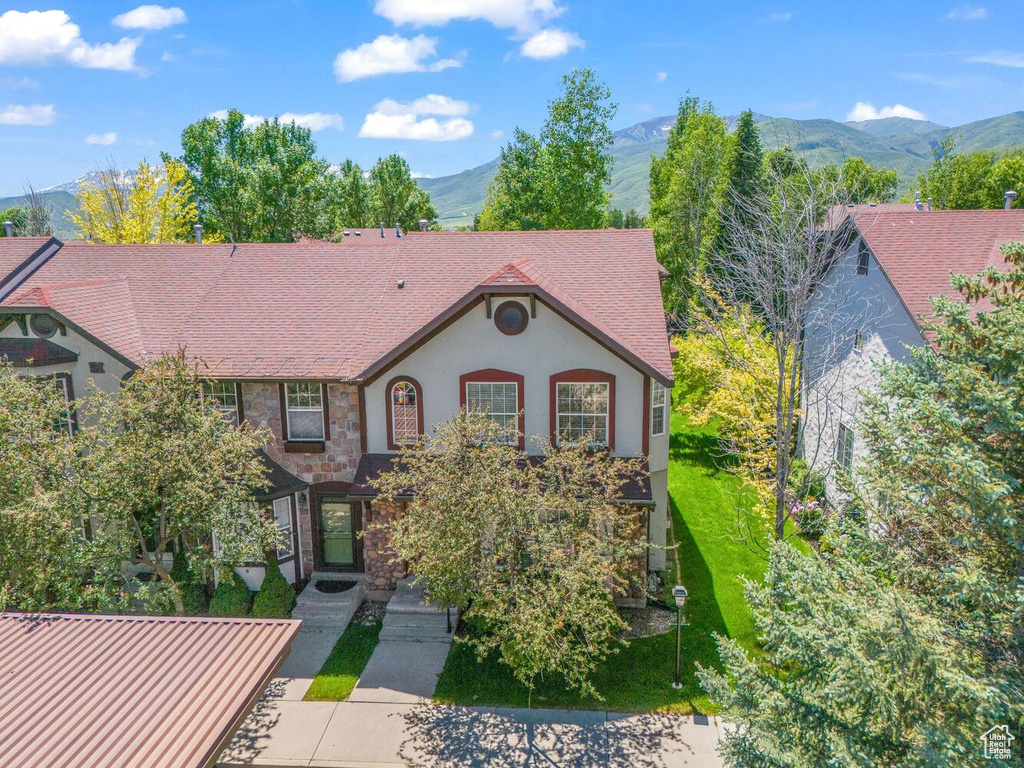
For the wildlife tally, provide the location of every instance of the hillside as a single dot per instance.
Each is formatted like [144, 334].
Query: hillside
[894, 142]
[58, 201]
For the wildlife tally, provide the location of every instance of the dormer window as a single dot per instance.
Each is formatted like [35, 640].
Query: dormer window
[863, 257]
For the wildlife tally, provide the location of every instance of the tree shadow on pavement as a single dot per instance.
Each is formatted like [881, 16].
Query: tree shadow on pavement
[441, 736]
[252, 736]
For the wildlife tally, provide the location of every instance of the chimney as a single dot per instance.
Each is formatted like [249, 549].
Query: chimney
[198, 229]
[9, 226]
[1009, 195]
[423, 225]
[917, 201]
[398, 231]
[929, 203]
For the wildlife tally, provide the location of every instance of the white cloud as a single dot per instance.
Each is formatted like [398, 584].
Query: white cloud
[862, 110]
[390, 54]
[497, 134]
[660, 77]
[102, 139]
[248, 121]
[393, 120]
[431, 104]
[35, 114]
[315, 121]
[549, 43]
[967, 12]
[418, 175]
[38, 38]
[777, 18]
[150, 17]
[522, 15]
[999, 59]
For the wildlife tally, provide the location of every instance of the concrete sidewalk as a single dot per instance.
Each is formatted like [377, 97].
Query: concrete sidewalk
[358, 734]
[309, 652]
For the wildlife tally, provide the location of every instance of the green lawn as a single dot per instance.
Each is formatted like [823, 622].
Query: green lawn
[704, 500]
[341, 671]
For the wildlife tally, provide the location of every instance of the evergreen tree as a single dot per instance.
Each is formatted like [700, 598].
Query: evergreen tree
[901, 643]
[745, 179]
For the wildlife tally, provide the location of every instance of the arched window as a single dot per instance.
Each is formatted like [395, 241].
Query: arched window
[405, 412]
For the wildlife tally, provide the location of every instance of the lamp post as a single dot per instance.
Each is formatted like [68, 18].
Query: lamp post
[679, 593]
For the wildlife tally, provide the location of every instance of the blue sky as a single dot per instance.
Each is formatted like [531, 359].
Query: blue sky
[444, 82]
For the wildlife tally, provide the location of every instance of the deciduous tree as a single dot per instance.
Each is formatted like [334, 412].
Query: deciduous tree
[151, 205]
[395, 197]
[688, 184]
[971, 180]
[535, 548]
[558, 180]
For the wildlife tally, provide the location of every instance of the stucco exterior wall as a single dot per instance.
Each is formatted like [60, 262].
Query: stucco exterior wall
[549, 345]
[114, 370]
[836, 375]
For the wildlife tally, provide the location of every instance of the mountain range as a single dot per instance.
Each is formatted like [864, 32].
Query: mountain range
[893, 142]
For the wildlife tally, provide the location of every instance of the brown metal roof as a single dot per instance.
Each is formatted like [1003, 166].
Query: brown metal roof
[120, 691]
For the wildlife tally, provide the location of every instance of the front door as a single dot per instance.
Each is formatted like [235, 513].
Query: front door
[337, 532]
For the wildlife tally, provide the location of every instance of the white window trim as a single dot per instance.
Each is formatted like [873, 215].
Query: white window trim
[607, 408]
[287, 500]
[844, 455]
[227, 410]
[289, 409]
[514, 415]
[67, 404]
[394, 413]
[658, 388]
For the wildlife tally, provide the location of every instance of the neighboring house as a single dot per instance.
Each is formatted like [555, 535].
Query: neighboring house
[873, 306]
[347, 351]
[20, 257]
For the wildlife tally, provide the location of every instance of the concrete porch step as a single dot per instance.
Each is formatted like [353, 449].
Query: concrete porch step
[415, 635]
[324, 609]
[421, 620]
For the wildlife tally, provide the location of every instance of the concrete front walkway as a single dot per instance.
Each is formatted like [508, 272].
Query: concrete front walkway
[309, 652]
[351, 734]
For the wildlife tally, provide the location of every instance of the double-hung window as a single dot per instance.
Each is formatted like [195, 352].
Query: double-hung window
[844, 448]
[283, 521]
[497, 394]
[224, 397]
[305, 411]
[583, 410]
[659, 406]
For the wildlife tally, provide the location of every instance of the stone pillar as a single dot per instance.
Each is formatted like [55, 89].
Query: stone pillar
[383, 569]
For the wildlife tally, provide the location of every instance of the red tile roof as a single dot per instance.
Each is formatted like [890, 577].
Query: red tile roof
[919, 250]
[125, 691]
[330, 310]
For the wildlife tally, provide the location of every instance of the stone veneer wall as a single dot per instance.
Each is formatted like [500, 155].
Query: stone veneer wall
[382, 569]
[262, 403]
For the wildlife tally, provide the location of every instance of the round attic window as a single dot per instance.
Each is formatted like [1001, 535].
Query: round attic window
[43, 326]
[511, 318]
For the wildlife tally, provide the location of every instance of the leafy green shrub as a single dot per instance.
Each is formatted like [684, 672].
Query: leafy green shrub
[232, 597]
[804, 482]
[193, 587]
[276, 597]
